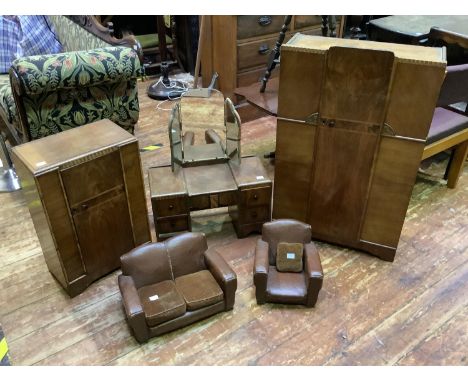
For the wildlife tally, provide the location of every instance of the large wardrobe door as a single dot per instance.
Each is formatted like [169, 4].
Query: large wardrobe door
[352, 111]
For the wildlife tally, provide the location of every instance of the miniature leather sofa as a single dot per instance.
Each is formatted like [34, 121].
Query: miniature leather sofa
[286, 287]
[171, 284]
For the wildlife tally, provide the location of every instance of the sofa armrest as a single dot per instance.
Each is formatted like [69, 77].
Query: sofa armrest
[133, 308]
[261, 266]
[71, 70]
[314, 273]
[224, 275]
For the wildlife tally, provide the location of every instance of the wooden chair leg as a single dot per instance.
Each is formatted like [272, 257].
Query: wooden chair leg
[458, 161]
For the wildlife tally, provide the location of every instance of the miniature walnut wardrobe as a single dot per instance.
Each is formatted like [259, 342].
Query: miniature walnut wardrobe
[85, 193]
[353, 118]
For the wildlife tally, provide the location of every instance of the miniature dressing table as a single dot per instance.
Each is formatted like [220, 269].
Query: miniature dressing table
[209, 175]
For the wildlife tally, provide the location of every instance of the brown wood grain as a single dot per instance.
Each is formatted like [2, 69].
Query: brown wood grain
[446, 345]
[293, 169]
[361, 294]
[338, 191]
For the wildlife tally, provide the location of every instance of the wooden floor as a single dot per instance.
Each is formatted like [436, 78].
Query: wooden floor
[410, 312]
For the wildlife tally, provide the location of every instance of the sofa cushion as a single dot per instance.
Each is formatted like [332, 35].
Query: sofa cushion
[199, 289]
[286, 288]
[187, 253]
[161, 302]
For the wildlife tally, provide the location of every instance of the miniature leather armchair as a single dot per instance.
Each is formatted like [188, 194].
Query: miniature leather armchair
[274, 286]
[171, 284]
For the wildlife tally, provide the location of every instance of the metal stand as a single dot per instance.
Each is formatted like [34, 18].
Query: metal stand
[8, 179]
[165, 88]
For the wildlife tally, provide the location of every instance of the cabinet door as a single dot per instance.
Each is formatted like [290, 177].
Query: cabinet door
[352, 111]
[104, 234]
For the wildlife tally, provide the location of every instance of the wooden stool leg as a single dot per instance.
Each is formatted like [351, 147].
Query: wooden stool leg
[456, 167]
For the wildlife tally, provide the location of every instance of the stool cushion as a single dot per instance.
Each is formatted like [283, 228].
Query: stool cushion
[445, 123]
[167, 305]
[199, 289]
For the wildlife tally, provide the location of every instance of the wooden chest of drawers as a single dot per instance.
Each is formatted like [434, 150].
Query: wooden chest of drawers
[85, 193]
[353, 118]
[237, 47]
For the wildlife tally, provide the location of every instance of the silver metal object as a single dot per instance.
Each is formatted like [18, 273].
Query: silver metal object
[202, 92]
[9, 181]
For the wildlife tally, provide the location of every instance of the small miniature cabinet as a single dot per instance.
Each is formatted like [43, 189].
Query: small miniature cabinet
[85, 193]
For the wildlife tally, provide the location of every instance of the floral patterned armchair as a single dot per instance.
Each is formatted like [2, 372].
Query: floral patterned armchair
[95, 78]
[60, 91]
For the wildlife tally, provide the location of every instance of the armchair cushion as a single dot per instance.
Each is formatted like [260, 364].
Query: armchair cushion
[286, 287]
[289, 257]
[199, 289]
[167, 305]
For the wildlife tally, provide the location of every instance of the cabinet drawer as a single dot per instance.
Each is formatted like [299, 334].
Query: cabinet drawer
[256, 196]
[251, 26]
[227, 199]
[201, 202]
[307, 21]
[170, 207]
[255, 75]
[254, 53]
[172, 224]
[254, 214]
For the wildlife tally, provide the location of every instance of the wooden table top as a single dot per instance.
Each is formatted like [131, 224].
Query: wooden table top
[206, 179]
[43, 154]
[209, 179]
[419, 26]
[267, 101]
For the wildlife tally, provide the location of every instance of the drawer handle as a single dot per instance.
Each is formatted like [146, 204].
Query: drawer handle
[171, 206]
[263, 49]
[255, 196]
[84, 206]
[264, 21]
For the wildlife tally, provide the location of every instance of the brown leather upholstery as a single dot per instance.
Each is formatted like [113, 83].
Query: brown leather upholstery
[168, 305]
[284, 287]
[285, 230]
[199, 289]
[168, 285]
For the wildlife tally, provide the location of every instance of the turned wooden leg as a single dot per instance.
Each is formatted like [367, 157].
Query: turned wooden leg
[458, 161]
[324, 26]
[275, 53]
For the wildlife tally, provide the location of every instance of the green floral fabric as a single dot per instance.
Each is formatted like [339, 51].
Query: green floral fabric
[67, 90]
[7, 103]
[73, 37]
[48, 73]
